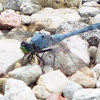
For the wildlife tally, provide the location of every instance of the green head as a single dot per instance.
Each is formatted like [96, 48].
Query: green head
[26, 47]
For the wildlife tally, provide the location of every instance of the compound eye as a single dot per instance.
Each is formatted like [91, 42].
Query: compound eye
[23, 44]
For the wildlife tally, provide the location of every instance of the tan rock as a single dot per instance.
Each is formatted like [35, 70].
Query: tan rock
[86, 71]
[84, 80]
[59, 3]
[50, 19]
[17, 65]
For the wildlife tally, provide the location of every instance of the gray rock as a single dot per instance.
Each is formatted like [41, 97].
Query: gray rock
[17, 90]
[19, 34]
[10, 53]
[12, 4]
[26, 8]
[88, 11]
[53, 81]
[28, 74]
[87, 94]
[26, 20]
[70, 88]
[93, 37]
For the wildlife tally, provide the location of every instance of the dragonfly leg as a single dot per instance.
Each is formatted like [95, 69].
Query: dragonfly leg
[30, 57]
[40, 58]
[53, 61]
[23, 59]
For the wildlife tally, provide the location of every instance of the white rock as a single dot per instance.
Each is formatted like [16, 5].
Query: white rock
[96, 72]
[70, 88]
[79, 47]
[92, 50]
[88, 11]
[26, 19]
[40, 92]
[26, 8]
[98, 83]
[47, 69]
[95, 19]
[9, 53]
[28, 73]
[91, 3]
[97, 58]
[50, 19]
[1, 7]
[17, 90]
[53, 81]
[1, 97]
[87, 94]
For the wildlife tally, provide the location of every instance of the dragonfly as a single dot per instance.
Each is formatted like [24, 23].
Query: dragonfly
[41, 41]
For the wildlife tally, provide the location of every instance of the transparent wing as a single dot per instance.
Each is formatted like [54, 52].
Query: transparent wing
[61, 57]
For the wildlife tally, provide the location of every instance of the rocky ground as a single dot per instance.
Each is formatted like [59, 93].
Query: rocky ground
[75, 75]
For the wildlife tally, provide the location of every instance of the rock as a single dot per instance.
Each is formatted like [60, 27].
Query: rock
[2, 82]
[24, 28]
[36, 8]
[16, 90]
[55, 96]
[10, 48]
[1, 7]
[26, 8]
[9, 21]
[93, 37]
[53, 81]
[97, 58]
[2, 97]
[2, 1]
[92, 50]
[19, 34]
[26, 20]
[28, 74]
[88, 11]
[12, 4]
[98, 83]
[70, 88]
[74, 57]
[87, 71]
[40, 92]
[47, 69]
[50, 19]
[87, 94]
[90, 0]
[95, 19]
[82, 79]
[17, 65]
[91, 3]
[59, 3]
[96, 71]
